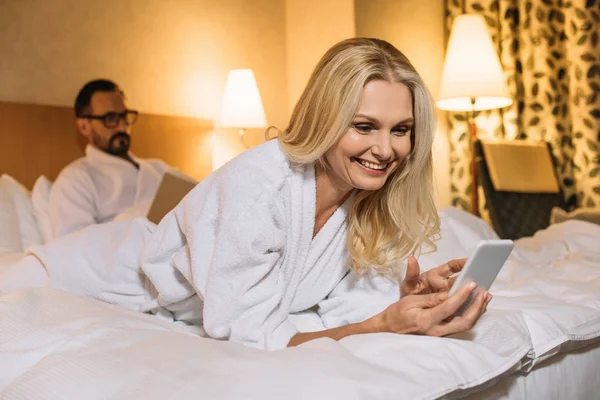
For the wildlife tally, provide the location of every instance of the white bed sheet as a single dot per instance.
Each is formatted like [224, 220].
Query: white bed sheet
[15, 274]
[55, 344]
[76, 347]
[573, 375]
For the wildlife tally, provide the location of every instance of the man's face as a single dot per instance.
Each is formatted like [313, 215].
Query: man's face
[111, 139]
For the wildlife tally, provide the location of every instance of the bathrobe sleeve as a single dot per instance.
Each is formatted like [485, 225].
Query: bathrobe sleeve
[226, 240]
[356, 299]
[159, 165]
[71, 205]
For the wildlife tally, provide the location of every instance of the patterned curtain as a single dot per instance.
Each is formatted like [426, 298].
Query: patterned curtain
[551, 58]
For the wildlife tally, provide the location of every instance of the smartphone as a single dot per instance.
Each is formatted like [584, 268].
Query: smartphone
[482, 268]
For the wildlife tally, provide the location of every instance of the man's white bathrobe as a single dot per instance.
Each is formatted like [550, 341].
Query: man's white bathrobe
[96, 188]
[237, 255]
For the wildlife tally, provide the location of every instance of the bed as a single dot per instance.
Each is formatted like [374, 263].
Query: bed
[538, 340]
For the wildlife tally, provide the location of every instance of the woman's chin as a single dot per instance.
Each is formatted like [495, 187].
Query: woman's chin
[370, 184]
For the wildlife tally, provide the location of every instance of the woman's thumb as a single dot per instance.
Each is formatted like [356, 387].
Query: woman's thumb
[412, 271]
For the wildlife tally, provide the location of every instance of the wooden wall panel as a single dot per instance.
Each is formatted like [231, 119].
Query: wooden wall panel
[40, 140]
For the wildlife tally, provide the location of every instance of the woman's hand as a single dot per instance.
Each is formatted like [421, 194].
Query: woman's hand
[431, 314]
[433, 281]
[425, 314]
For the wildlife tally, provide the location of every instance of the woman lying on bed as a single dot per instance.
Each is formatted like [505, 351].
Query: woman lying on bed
[348, 186]
[323, 217]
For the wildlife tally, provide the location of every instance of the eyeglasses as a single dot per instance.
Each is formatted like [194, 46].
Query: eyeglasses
[112, 119]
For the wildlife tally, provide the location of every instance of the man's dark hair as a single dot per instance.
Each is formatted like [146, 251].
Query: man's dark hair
[84, 97]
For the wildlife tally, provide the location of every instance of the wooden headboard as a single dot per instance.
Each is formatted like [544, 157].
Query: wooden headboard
[40, 140]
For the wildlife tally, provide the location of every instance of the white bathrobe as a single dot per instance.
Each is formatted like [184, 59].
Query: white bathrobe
[237, 255]
[96, 188]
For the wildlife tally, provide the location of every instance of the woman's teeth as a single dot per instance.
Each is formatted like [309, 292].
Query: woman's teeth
[371, 165]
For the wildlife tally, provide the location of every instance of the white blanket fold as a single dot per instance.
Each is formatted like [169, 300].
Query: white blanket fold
[101, 261]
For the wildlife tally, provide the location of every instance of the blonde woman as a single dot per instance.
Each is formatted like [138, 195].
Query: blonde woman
[320, 217]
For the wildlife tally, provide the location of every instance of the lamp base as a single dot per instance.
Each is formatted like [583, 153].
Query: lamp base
[474, 184]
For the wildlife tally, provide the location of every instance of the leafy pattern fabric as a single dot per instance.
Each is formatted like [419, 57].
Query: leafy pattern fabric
[550, 53]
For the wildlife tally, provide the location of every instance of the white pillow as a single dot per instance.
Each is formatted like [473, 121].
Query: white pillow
[30, 234]
[587, 214]
[10, 234]
[40, 196]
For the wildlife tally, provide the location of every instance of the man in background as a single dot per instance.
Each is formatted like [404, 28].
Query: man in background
[109, 179]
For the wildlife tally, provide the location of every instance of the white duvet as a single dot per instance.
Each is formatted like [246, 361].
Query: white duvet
[8, 259]
[55, 344]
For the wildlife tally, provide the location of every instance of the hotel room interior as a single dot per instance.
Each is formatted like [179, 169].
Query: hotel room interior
[516, 156]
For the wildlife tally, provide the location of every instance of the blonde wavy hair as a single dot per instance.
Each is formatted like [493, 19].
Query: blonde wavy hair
[387, 225]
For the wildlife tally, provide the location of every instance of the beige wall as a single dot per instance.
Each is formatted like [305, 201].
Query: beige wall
[312, 27]
[171, 57]
[417, 29]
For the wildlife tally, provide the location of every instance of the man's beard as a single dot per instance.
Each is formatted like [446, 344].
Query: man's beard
[118, 144]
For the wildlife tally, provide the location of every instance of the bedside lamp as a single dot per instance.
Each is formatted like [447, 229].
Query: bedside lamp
[242, 106]
[472, 79]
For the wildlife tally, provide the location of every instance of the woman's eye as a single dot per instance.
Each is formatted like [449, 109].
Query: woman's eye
[401, 130]
[362, 128]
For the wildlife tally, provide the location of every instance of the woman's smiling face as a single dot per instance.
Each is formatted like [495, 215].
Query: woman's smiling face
[377, 140]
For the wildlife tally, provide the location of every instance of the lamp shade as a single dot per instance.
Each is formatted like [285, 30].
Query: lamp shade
[472, 69]
[242, 105]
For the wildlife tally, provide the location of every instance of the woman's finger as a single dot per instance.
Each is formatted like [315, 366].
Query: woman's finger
[444, 271]
[425, 301]
[443, 284]
[412, 272]
[474, 311]
[453, 303]
[487, 301]
[466, 320]
[453, 266]
[441, 279]
[450, 282]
